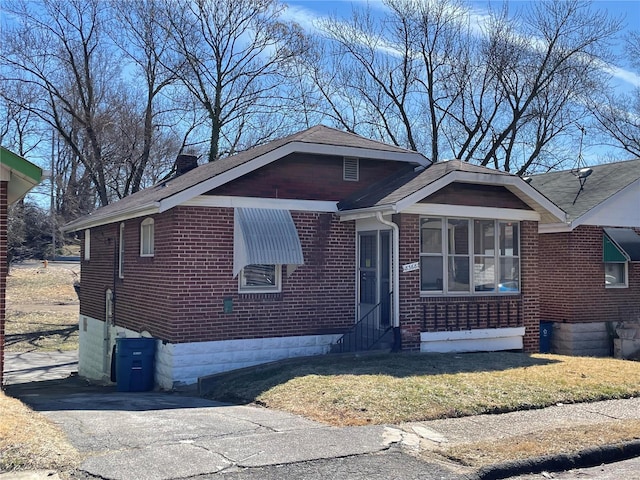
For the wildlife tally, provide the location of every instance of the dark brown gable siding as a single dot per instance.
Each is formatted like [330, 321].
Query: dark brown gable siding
[307, 177]
[178, 295]
[572, 279]
[476, 195]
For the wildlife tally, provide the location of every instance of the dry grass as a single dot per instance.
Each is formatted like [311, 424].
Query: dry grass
[564, 440]
[397, 388]
[42, 308]
[42, 314]
[29, 441]
[34, 284]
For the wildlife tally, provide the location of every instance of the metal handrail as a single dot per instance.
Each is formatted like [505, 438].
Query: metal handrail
[364, 334]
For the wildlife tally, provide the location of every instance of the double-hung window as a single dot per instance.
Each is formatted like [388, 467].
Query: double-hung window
[147, 235]
[460, 256]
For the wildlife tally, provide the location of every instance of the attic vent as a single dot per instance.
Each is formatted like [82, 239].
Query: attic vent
[350, 169]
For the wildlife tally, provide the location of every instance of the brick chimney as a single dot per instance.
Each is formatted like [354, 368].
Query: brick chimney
[184, 163]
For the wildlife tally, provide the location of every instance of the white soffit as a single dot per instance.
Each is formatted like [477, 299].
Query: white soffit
[447, 210]
[260, 202]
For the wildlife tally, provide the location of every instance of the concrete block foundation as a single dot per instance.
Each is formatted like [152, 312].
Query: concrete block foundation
[581, 339]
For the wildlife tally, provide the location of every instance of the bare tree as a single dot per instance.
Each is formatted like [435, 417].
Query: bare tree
[618, 114]
[137, 29]
[74, 74]
[231, 55]
[18, 130]
[506, 92]
[545, 64]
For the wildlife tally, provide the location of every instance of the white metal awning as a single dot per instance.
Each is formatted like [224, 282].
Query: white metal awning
[265, 237]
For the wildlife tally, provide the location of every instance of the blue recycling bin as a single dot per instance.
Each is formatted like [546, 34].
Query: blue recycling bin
[546, 331]
[135, 364]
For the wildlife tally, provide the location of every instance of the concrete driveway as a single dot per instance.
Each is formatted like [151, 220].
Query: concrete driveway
[155, 435]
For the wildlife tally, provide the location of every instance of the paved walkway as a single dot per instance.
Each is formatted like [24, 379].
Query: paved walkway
[154, 435]
[38, 366]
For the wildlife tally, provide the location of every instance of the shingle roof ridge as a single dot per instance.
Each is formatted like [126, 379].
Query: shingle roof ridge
[595, 165]
[316, 128]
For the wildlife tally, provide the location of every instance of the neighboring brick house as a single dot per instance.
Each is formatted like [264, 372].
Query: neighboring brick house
[17, 177]
[589, 267]
[278, 251]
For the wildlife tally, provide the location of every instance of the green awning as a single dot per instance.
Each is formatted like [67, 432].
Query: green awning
[20, 174]
[620, 245]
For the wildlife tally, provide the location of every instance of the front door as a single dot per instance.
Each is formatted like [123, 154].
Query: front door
[374, 274]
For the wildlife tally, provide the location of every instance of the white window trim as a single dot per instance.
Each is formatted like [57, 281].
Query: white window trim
[87, 244]
[145, 223]
[445, 256]
[275, 289]
[626, 277]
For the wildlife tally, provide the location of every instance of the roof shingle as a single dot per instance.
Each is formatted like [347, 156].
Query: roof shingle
[606, 180]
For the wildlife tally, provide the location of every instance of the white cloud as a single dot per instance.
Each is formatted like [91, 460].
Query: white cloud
[308, 19]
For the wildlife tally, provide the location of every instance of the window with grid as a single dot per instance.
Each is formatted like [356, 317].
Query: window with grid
[459, 255]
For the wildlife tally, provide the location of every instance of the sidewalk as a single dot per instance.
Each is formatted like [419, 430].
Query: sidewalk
[508, 427]
[155, 435]
[38, 366]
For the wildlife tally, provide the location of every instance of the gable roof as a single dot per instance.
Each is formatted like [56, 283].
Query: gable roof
[412, 185]
[21, 174]
[605, 181]
[320, 140]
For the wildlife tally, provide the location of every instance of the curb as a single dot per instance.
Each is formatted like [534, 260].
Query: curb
[589, 457]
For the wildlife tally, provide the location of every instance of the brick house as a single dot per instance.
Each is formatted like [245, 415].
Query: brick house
[589, 267]
[290, 248]
[17, 177]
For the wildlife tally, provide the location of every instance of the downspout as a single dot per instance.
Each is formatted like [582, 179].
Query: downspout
[395, 268]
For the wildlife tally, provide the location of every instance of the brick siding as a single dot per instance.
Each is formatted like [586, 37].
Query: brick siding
[178, 295]
[572, 285]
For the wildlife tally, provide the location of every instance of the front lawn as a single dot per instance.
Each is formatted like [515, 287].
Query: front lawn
[396, 388]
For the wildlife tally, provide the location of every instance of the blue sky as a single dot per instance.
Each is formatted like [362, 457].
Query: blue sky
[306, 11]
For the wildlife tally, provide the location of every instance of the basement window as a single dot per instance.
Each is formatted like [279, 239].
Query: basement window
[260, 278]
[350, 169]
